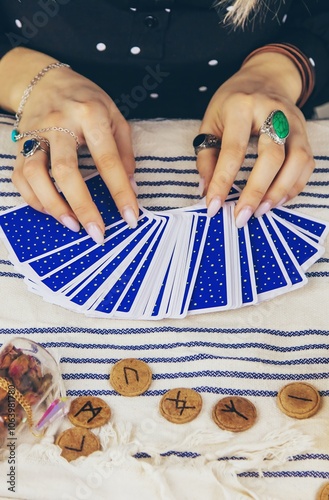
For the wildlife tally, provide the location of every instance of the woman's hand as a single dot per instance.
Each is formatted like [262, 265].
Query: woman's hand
[63, 98]
[237, 110]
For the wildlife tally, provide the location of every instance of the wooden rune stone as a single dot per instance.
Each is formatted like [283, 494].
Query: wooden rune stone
[89, 412]
[299, 400]
[180, 405]
[235, 414]
[77, 442]
[130, 377]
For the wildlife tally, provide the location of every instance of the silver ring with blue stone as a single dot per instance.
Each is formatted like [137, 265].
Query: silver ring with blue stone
[206, 141]
[35, 144]
[276, 126]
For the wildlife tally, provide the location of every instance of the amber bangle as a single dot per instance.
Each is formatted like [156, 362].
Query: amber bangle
[302, 63]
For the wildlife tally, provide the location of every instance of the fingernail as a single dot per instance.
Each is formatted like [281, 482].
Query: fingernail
[243, 217]
[129, 216]
[133, 184]
[201, 187]
[214, 206]
[281, 202]
[95, 232]
[70, 222]
[263, 208]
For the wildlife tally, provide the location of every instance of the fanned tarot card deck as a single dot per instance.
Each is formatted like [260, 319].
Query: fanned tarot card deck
[174, 263]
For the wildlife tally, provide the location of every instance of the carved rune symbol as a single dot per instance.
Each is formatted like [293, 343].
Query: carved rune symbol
[125, 370]
[180, 403]
[89, 407]
[77, 449]
[232, 409]
[296, 397]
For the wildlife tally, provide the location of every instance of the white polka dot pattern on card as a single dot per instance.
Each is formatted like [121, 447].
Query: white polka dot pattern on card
[292, 270]
[18, 23]
[128, 299]
[213, 62]
[33, 233]
[309, 225]
[269, 274]
[112, 264]
[61, 278]
[103, 200]
[302, 249]
[117, 287]
[47, 264]
[210, 290]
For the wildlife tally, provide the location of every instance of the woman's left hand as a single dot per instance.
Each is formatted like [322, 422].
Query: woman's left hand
[267, 82]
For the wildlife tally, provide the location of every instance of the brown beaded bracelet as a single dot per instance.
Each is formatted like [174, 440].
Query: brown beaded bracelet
[302, 63]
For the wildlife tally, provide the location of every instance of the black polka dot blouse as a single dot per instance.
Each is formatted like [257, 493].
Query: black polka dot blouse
[164, 58]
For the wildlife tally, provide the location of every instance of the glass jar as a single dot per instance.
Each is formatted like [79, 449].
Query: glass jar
[29, 381]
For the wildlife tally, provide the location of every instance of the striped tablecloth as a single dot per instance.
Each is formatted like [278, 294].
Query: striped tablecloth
[250, 352]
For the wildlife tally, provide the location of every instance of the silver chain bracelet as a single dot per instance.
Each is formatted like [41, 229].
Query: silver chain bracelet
[34, 133]
[16, 135]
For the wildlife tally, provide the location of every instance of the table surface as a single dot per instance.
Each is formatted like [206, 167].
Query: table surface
[251, 352]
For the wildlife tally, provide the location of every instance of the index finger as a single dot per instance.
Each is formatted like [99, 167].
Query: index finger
[235, 141]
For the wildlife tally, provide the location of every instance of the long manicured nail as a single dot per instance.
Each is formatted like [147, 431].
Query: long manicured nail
[95, 232]
[281, 202]
[133, 184]
[70, 222]
[243, 217]
[129, 216]
[263, 208]
[201, 187]
[214, 206]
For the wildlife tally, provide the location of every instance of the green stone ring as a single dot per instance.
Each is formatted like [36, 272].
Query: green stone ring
[276, 126]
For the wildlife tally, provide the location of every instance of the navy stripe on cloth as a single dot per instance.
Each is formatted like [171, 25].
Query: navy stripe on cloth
[202, 389]
[164, 329]
[198, 357]
[210, 374]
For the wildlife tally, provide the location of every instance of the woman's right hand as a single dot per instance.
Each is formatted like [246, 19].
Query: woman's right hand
[64, 98]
